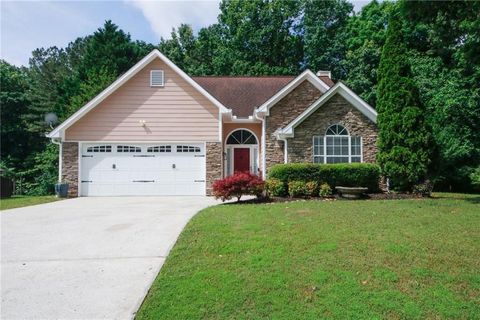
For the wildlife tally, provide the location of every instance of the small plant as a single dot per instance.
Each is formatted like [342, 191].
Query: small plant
[275, 188]
[423, 189]
[238, 185]
[475, 178]
[311, 189]
[296, 188]
[325, 190]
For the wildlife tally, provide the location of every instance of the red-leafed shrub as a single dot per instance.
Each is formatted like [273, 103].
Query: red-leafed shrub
[237, 185]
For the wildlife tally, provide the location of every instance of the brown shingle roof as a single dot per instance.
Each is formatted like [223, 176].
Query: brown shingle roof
[244, 94]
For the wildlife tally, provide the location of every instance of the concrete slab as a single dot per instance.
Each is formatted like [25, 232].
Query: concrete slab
[87, 258]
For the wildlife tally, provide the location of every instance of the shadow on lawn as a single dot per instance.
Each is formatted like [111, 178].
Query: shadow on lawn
[472, 198]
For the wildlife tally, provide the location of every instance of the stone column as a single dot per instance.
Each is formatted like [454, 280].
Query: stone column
[70, 167]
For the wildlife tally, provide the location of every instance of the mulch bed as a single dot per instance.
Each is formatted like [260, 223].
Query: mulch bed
[370, 196]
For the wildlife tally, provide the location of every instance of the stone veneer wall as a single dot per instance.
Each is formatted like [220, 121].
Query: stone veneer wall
[284, 112]
[70, 167]
[214, 155]
[335, 111]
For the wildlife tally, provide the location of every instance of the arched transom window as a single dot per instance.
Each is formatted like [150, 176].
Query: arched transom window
[241, 137]
[337, 146]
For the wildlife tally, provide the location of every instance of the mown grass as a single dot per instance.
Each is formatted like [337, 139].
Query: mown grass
[394, 259]
[24, 201]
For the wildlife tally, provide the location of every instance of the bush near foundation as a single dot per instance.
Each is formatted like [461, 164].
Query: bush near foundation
[342, 174]
[275, 188]
[296, 189]
[238, 185]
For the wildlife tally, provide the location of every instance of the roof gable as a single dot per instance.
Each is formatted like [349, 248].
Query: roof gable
[306, 75]
[59, 131]
[346, 93]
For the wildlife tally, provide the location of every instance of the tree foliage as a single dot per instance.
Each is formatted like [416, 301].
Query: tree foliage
[404, 142]
[364, 42]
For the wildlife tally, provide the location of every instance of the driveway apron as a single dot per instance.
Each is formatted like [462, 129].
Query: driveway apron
[87, 258]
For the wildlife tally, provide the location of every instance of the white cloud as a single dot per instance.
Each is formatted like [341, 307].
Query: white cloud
[165, 15]
[28, 25]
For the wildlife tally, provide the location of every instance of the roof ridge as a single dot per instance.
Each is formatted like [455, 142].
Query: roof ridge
[264, 76]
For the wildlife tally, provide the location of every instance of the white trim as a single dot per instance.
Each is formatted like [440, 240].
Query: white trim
[306, 75]
[285, 151]
[220, 126]
[264, 152]
[79, 166]
[60, 162]
[263, 143]
[344, 91]
[205, 163]
[141, 141]
[59, 132]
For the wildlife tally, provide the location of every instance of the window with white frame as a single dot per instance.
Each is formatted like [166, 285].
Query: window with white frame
[337, 146]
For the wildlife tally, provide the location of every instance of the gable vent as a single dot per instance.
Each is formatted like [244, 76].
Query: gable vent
[156, 78]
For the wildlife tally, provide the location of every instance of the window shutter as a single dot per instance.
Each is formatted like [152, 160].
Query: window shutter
[156, 78]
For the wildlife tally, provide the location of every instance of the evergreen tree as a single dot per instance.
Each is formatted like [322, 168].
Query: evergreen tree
[366, 32]
[405, 144]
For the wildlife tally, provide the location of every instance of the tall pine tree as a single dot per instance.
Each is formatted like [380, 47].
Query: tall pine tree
[405, 144]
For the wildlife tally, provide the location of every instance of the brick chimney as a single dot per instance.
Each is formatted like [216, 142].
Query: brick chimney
[323, 73]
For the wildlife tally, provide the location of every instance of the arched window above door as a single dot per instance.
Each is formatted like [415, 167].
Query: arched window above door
[242, 137]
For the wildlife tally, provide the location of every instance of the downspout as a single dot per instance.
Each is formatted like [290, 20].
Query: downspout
[285, 147]
[60, 151]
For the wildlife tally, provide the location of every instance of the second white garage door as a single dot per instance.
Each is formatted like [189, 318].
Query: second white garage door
[155, 169]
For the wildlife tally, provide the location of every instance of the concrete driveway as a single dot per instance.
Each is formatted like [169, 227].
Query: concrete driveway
[87, 258]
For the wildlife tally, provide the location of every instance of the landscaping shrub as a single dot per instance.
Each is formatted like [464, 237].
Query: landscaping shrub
[424, 189]
[237, 185]
[311, 189]
[342, 174]
[325, 190]
[296, 188]
[475, 179]
[275, 188]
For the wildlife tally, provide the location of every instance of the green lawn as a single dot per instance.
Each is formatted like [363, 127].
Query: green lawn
[392, 259]
[25, 201]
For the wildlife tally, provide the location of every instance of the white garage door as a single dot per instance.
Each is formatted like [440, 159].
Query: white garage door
[126, 169]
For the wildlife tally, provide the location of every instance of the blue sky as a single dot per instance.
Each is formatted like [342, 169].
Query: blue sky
[26, 25]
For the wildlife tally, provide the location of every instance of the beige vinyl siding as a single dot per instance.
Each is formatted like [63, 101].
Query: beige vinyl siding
[175, 112]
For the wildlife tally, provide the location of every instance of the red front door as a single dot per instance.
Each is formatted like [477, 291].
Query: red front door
[241, 159]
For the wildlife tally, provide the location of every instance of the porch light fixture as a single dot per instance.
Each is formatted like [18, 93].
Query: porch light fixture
[143, 123]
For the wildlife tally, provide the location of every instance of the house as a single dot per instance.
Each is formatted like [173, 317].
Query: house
[158, 131]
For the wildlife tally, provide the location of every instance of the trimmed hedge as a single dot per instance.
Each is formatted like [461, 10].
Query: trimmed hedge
[341, 174]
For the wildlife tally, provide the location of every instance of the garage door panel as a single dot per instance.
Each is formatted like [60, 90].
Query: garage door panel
[136, 172]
